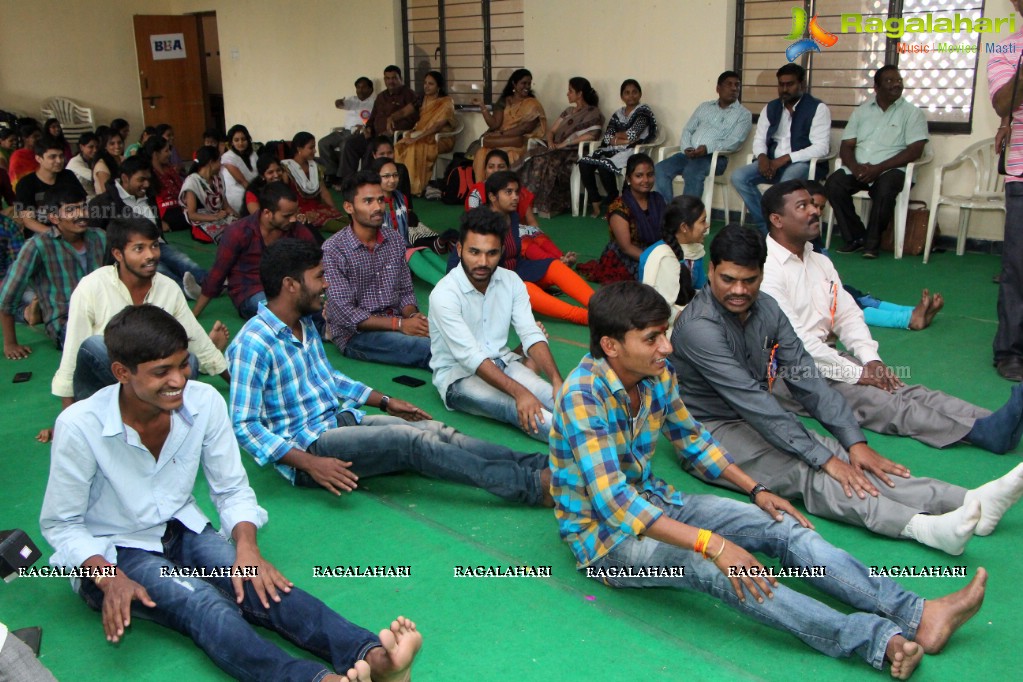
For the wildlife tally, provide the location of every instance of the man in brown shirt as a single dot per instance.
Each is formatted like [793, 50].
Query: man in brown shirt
[396, 108]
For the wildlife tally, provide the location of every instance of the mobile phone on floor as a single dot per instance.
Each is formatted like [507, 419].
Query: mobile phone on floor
[406, 380]
[22, 377]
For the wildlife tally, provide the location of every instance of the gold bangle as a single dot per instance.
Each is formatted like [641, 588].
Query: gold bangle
[720, 551]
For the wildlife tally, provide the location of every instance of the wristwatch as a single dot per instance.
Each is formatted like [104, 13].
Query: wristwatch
[385, 400]
[758, 488]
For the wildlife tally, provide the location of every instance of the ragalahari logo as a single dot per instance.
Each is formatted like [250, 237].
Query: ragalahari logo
[818, 36]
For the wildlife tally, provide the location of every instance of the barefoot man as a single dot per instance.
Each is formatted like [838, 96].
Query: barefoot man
[616, 514]
[152, 431]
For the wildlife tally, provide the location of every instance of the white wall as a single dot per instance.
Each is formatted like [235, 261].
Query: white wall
[283, 64]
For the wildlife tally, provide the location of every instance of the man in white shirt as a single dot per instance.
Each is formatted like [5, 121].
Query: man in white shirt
[151, 432]
[471, 310]
[791, 131]
[132, 280]
[357, 110]
[809, 292]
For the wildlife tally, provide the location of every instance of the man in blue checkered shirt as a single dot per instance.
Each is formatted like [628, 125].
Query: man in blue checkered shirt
[291, 408]
[628, 528]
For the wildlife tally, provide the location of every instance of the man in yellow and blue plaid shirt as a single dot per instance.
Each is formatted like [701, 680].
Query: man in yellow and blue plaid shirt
[628, 528]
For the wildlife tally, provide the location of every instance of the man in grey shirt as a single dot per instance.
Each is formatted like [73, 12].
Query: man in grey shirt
[729, 347]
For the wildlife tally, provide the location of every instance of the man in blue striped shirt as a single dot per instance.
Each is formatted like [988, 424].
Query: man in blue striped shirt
[720, 125]
[628, 528]
[292, 409]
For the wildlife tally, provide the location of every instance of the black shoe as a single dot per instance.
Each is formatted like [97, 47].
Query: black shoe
[1010, 368]
[870, 255]
[851, 247]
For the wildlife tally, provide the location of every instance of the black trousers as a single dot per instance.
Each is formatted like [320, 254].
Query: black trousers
[588, 174]
[840, 188]
[1009, 337]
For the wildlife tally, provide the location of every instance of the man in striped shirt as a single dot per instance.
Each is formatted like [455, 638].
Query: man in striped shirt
[1003, 77]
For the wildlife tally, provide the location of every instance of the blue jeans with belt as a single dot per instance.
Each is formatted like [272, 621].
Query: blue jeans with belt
[205, 610]
[883, 608]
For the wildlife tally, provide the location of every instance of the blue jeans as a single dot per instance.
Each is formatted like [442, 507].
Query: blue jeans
[205, 610]
[475, 396]
[884, 609]
[175, 263]
[693, 172]
[389, 348]
[250, 306]
[386, 445]
[746, 179]
[92, 368]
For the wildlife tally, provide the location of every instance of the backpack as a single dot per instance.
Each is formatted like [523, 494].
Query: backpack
[458, 178]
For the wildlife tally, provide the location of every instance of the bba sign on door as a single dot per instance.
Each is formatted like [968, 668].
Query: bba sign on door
[168, 46]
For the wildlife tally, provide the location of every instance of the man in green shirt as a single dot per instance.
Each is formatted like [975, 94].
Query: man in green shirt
[883, 135]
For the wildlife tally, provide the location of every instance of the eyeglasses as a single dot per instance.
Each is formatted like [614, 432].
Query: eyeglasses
[388, 176]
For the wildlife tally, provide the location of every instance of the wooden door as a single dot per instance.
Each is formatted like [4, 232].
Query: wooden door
[171, 76]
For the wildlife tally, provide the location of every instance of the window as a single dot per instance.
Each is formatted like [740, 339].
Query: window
[476, 45]
[942, 83]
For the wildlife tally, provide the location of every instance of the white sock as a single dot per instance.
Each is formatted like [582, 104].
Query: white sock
[948, 532]
[995, 499]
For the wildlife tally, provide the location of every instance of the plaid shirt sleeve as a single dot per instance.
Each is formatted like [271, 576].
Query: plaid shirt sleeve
[692, 442]
[12, 240]
[587, 434]
[18, 277]
[250, 372]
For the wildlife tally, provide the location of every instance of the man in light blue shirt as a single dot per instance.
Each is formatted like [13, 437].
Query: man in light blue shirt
[883, 135]
[119, 510]
[719, 125]
[471, 310]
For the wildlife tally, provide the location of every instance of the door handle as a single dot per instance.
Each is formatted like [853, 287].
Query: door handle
[152, 100]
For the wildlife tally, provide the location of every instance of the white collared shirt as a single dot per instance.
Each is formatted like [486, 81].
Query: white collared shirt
[106, 489]
[807, 289]
[820, 135]
[468, 327]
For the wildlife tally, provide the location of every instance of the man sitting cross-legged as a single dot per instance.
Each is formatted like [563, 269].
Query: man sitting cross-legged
[372, 313]
[619, 518]
[151, 432]
[292, 409]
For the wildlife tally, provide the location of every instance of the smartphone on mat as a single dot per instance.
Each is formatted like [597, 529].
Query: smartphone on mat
[22, 377]
[406, 380]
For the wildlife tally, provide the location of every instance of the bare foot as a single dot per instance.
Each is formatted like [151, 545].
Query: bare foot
[220, 335]
[358, 673]
[904, 655]
[569, 258]
[545, 487]
[595, 209]
[944, 616]
[392, 662]
[32, 314]
[937, 303]
[918, 318]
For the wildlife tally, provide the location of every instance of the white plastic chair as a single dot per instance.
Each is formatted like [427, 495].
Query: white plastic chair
[74, 119]
[987, 195]
[454, 132]
[901, 202]
[708, 187]
[579, 194]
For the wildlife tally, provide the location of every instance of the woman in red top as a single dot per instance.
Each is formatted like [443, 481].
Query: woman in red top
[166, 184]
